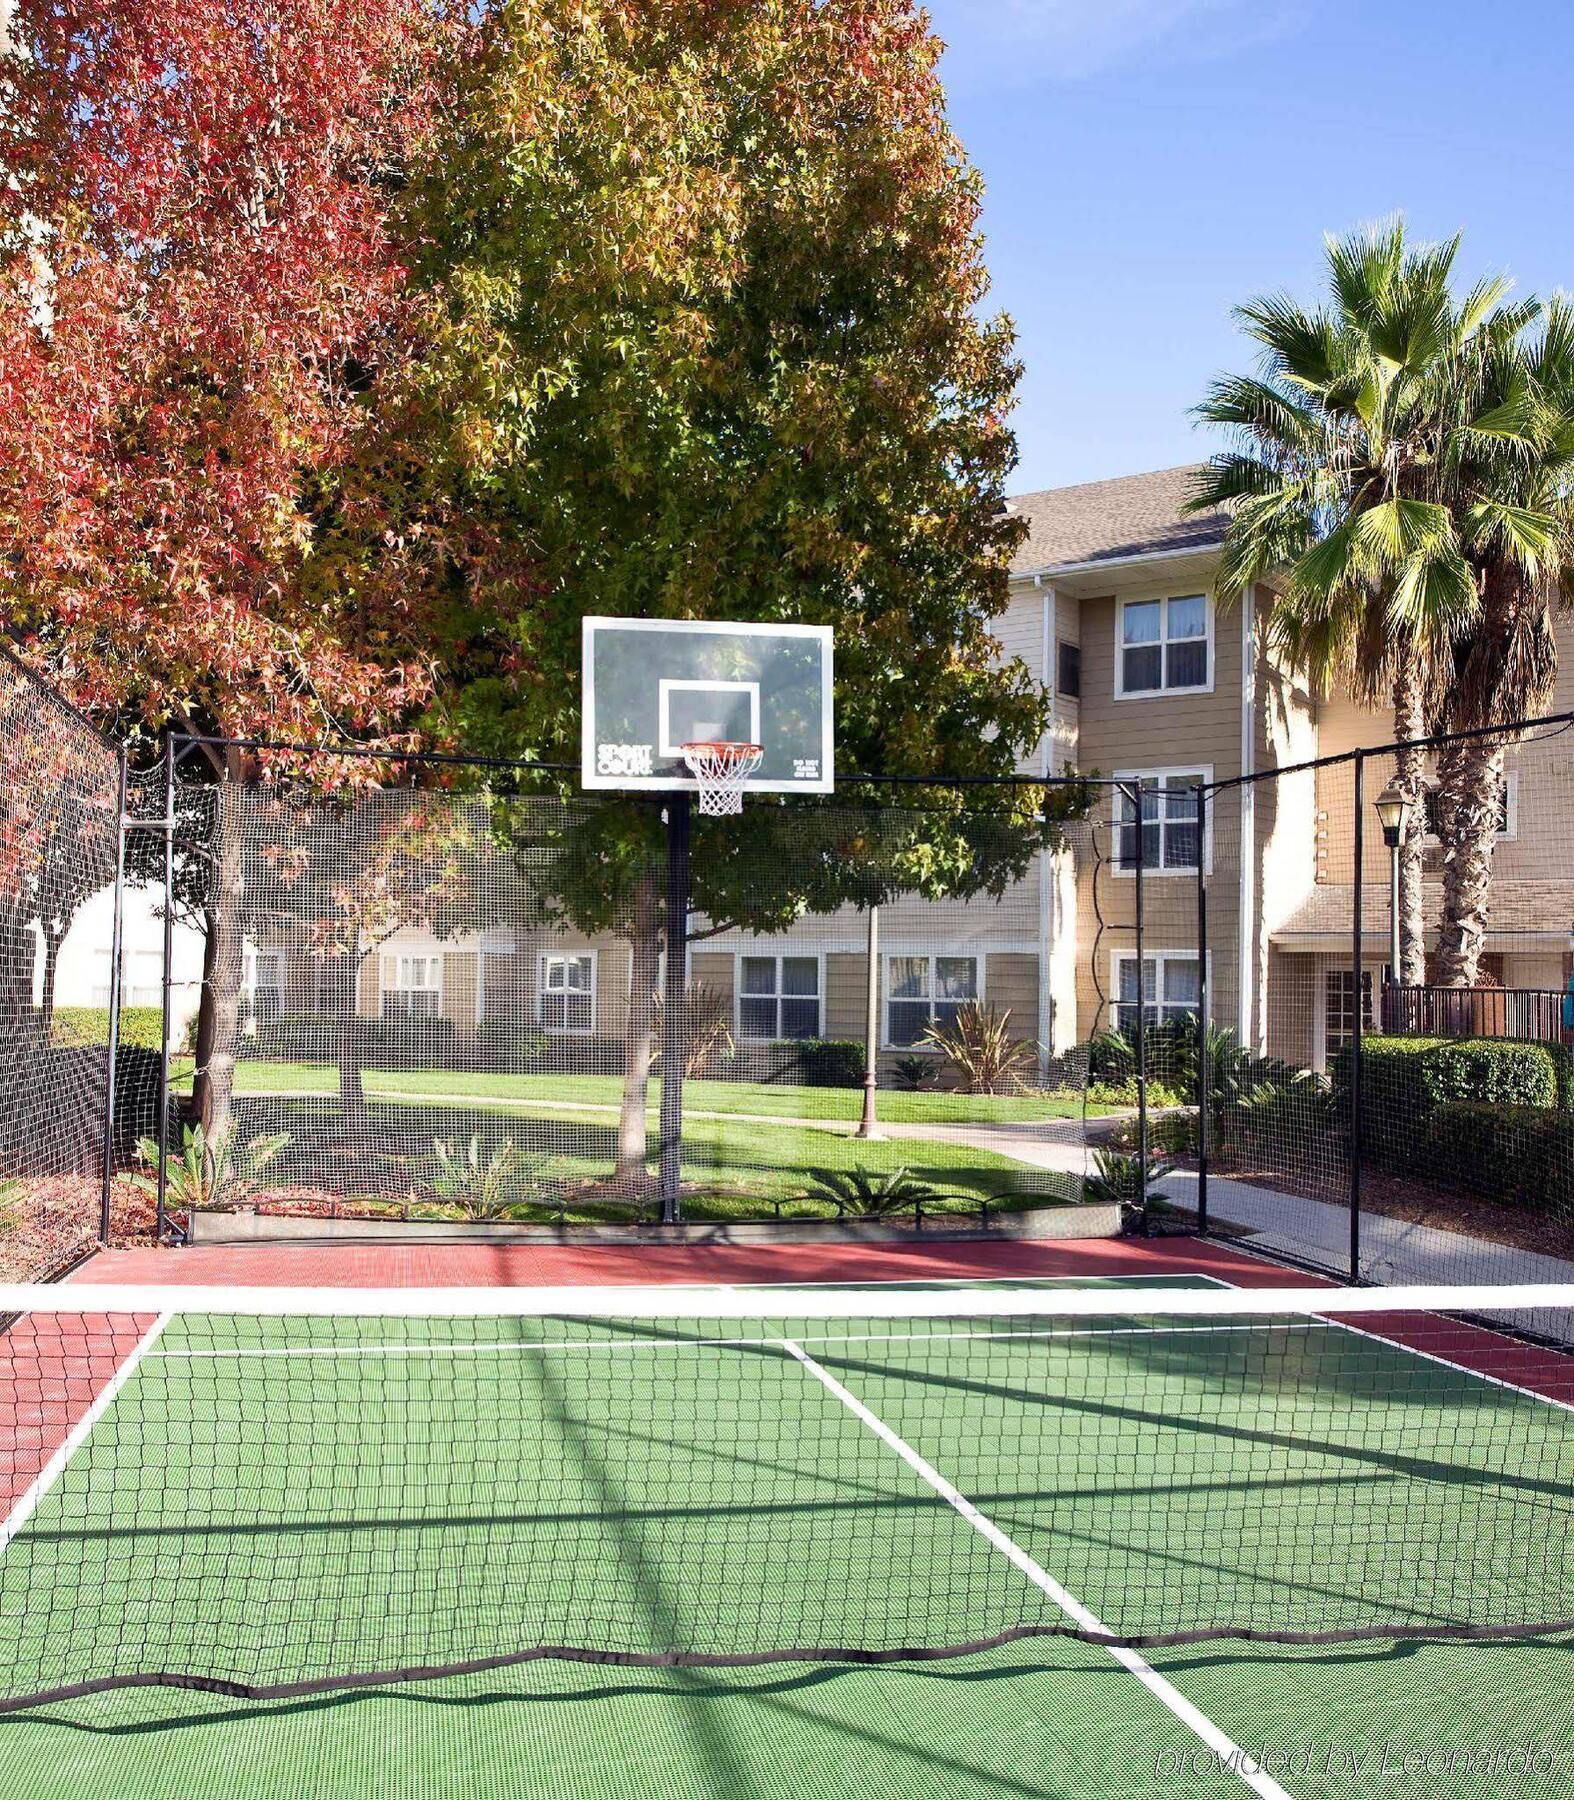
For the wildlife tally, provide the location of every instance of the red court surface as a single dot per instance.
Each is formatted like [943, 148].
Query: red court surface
[354, 1265]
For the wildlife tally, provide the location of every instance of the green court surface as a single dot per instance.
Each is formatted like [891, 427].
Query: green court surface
[290, 1502]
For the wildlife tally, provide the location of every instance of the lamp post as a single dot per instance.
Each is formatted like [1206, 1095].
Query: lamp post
[1393, 808]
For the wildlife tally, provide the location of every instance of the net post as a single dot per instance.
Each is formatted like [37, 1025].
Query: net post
[674, 1047]
[1204, 1009]
[161, 1205]
[116, 938]
[1135, 792]
[1356, 1045]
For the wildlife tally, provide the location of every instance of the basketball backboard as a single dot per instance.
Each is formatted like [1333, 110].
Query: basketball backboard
[653, 685]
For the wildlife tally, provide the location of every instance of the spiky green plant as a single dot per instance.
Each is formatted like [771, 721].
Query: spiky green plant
[487, 1186]
[208, 1175]
[869, 1195]
[1117, 1179]
[977, 1042]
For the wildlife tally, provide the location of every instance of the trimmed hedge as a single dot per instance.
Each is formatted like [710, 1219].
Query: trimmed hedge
[1404, 1080]
[88, 1027]
[826, 1062]
[1523, 1155]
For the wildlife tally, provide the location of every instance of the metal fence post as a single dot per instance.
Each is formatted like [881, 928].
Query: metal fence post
[1142, 1017]
[116, 933]
[674, 1048]
[160, 1211]
[1356, 1033]
[1204, 1010]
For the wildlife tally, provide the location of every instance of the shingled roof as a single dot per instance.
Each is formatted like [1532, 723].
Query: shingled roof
[1105, 521]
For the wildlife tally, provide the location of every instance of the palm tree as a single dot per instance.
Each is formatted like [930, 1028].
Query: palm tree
[1512, 465]
[1337, 488]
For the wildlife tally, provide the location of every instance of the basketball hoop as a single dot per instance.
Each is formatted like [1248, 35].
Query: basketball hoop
[720, 770]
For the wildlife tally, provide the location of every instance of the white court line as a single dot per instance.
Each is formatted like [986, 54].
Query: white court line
[1223, 1746]
[47, 1476]
[619, 1345]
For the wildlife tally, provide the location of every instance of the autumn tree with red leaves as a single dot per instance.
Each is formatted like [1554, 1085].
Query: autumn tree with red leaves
[202, 306]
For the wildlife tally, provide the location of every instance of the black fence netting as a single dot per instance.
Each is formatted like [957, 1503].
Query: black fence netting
[59, 828]
[457, 1007]
[1385, 1052]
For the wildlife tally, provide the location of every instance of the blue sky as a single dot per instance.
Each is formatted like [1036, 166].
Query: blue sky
[1150, 163]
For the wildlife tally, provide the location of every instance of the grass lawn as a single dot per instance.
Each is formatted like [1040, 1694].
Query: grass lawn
[751, 1098]
[733, 1167]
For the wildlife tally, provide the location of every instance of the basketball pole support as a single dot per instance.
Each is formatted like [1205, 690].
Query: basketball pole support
[674, 1034]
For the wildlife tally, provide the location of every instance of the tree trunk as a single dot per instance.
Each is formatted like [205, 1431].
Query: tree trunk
[1474, 785]
[347, 986]
[223, 969]
[1410, 779]
[46, 1008]
[640, 1044]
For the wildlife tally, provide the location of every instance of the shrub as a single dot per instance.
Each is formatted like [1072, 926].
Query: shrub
[1523, 1155]
[485, 1186]
[141, 1027]
[709, 1023]
[1117, 1179]
[858, 1192]
[203, 1175]
[913, 1073]
[1405, 1079]
[509, 1046]
[828, 1062]
[978, 1044]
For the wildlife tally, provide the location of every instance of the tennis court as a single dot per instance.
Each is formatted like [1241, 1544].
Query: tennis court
[720, 1500]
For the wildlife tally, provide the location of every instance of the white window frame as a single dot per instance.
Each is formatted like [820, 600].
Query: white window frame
[543, 992]
[778, 957]
[1158, 958]
[251, 956]
[1323, 1047]
[1511, 809]
[979, 960]
[398, 957]
[1188, 870]
[1163, 601]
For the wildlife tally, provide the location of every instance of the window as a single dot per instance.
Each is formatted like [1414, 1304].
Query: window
[1164, 646]
[925, 990]
[262, 982]
[778, 997]
[1068, 671]
[1507, 809]
[1170, 840]
[1171, 988]
[1339, 1000]
[412, 987]
[568, 992]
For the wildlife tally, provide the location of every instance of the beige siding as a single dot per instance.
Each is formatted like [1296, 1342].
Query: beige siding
[459, 979]
[1011, 985]
[846, 995]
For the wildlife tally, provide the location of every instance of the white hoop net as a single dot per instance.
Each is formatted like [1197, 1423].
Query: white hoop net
[721, 770]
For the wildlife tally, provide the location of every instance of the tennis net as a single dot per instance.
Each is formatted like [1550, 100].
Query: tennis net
[273, 1492]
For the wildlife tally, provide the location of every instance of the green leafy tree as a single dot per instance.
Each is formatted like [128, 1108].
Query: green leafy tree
[704, 286]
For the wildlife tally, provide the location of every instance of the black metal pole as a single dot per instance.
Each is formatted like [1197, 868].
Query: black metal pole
[1204, 1011]
[1356, 1048]
[169, 953]
[1135, 793]
[116, 934]
[674, 1045]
